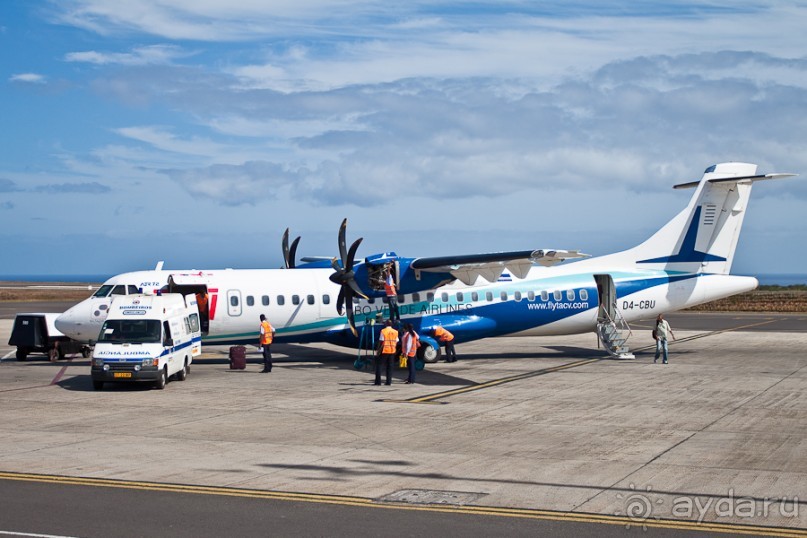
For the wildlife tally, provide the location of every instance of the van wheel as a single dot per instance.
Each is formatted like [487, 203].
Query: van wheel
[85, 352]
[21, 354]
[98, 385]
[182, 374]
[162, 380]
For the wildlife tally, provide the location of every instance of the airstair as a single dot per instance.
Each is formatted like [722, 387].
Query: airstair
[612, 329]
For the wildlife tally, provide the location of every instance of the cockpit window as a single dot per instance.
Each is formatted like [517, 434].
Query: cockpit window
[103, 291]
[119, 290]
[131, 289]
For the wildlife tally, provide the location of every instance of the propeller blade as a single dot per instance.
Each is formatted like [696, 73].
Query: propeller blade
[351, 282]
[291, 264]
[285, 243]
[351, 255]
[342, 243]
[339, 300]
[349, 310]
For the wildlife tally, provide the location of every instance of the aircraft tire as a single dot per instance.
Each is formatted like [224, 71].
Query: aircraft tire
[429, 354]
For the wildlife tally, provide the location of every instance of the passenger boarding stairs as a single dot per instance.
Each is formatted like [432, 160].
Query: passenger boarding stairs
[614, 332]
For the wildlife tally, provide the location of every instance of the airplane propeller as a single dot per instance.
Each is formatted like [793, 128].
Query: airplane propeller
[345, 277]
[289, 254]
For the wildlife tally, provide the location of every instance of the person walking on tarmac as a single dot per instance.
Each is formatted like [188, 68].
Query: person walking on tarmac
[387, 345]
[660, 333]
[447, 339]
[392, 295]
[267, 335]
[409, 348]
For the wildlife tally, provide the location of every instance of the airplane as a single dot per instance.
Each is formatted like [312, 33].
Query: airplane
[685, 263]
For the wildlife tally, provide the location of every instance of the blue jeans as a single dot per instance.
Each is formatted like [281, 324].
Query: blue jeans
[661, 347]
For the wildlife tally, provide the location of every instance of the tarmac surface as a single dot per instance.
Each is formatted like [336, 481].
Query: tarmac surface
[520, 430]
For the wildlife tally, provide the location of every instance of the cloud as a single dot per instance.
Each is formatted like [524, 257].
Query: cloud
[152, 55]
[6, 205]
[80, 188]
[28, 78]
[6, 185]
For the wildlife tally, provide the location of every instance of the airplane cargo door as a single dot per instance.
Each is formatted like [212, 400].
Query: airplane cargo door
[234, 302]
[607, 296]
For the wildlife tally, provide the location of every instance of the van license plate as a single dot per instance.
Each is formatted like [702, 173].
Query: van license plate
[122, 374]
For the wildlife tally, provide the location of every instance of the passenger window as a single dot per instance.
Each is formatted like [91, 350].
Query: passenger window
[570, 295]
[401, 299]
[544, 295]
[326, 299]
[460, 296]
[295, 299]
[583, 295]
[503, 296]
[518, 296]
[265, 300]
[234, 300]
[530, 295]
[474, 296]
[489, 296]
[310, 299]
[250, 300]
[415, 297]
[281, 300]
[444, 297]
[430, 297]
[557, 295]
[131, 289]
[371, 300]
[385, 300]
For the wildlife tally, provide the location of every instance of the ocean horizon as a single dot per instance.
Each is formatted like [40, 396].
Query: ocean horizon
[772, 279]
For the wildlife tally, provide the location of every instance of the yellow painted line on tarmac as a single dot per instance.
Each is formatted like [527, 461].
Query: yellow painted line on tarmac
[430, 398]
[524, 513]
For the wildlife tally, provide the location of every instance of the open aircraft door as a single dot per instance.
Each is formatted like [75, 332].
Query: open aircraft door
[206, 297]
[606, 292]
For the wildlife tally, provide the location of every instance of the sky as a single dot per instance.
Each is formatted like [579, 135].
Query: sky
[197, 131]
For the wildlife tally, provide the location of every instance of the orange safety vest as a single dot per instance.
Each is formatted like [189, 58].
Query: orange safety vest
[389, 286]
[415, 341]
[201, 300]
[443, 335]
[266, 337]
[390, 338]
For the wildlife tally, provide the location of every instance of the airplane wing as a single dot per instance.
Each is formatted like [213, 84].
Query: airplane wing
[468, 268]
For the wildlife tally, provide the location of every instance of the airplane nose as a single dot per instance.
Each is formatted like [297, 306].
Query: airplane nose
[83, 321]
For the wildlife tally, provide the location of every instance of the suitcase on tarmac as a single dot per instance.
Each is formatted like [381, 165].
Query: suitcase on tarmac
[238, 358]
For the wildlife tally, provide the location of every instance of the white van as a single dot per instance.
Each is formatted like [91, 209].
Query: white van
[147, 338]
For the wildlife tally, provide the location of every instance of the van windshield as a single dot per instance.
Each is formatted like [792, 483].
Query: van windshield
[145, 331]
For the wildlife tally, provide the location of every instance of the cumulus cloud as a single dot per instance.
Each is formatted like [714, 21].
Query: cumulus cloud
[80, 188]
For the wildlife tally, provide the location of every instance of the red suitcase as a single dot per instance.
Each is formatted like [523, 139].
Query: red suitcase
[238, 358]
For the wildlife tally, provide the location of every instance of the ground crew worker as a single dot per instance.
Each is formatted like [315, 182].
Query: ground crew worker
[204, 317]
[447, 339]
[387, 345]
[267, 335]
[409, 347]
[392, 295]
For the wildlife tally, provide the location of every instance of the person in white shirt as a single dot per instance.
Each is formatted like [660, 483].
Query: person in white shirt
[661, 332]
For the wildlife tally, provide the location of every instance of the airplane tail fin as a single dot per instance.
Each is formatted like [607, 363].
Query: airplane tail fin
[703, 237]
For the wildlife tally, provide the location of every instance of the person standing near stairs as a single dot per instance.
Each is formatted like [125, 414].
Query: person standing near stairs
[660, 333]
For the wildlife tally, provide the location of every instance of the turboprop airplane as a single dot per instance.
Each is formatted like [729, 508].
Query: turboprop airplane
[685, 263]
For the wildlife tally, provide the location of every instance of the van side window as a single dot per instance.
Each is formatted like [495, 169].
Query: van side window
[187, 325]
[250, 300]
[309, 299]
[166, 332]
[326, 299]
[265, 300]
[281, 300]
[295, 299]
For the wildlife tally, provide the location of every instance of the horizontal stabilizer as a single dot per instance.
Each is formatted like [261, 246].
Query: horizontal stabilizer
[750, 179]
